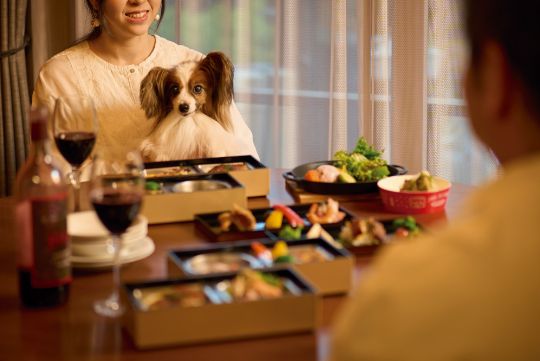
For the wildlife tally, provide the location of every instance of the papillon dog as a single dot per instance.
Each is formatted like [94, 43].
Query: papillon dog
[190, 104]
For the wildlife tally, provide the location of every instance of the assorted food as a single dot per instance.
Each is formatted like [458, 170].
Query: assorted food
[251, 285]
[325, 212]
[308, 253]
[290, 233]
[364, 163]
[218, 262]
[292, 217]
[423, 183]
[173, 171]
[184, 295]
[155, 185]
[152, 187]
[228, 167]
[362, 232]
[239, 217]
[283, 253]
[406, 227]
[247, 285]
[317, 231]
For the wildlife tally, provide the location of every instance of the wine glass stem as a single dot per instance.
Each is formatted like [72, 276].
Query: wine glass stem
[75, 181]
[117, 245]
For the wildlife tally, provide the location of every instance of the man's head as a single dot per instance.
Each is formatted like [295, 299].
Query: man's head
[503, 80]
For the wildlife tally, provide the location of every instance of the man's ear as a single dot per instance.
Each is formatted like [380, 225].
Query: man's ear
[499, 85]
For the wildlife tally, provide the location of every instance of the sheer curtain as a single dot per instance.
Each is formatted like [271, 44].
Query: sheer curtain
[314, 75]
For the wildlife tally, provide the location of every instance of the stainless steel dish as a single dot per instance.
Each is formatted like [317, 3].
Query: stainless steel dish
[199, 185]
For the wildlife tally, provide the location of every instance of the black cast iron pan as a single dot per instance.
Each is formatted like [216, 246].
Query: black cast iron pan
[297, 176]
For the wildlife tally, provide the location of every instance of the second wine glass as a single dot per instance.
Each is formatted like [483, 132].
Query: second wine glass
[116, 192]
[75, 128]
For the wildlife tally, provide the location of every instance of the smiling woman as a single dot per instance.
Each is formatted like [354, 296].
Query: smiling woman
[109, 64]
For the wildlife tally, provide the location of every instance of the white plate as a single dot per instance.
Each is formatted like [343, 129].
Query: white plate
[86, 226]
[99, 247]
[134, 252]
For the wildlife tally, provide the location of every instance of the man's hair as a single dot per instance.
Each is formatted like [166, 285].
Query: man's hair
[515, 26]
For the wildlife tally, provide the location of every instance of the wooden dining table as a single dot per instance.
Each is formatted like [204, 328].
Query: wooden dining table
[74, 331]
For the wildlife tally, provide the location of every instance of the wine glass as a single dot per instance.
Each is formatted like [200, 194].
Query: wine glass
[74, 129]
[116, 192]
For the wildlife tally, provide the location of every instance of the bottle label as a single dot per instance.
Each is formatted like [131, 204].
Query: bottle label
[44, 247]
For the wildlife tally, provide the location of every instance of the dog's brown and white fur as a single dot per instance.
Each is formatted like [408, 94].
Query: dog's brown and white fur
[190, 104]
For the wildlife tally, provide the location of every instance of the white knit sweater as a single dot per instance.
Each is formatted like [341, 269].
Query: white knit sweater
[115, 91]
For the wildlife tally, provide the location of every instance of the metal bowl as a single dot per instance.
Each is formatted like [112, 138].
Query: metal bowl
[199, 185]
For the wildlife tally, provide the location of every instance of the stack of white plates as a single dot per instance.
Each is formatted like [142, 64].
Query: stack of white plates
[91, 243]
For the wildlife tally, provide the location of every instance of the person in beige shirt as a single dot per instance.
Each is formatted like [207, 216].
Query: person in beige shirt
[472, 291]
[109, 66]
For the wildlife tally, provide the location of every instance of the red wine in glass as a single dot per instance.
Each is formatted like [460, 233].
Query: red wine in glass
[117, 209]
[75, 146]
[75, 126]
[116, 193]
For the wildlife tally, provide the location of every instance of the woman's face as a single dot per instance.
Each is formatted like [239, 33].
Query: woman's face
[129, 18]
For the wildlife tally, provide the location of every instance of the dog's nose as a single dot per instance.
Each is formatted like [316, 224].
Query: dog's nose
[184, 108]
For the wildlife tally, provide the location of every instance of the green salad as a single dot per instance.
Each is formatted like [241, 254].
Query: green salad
[364, 163]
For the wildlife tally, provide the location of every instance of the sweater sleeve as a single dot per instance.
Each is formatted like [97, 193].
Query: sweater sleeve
[242, 132]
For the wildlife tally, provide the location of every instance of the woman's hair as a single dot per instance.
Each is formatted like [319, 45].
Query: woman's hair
[515, 26]
[98, 14]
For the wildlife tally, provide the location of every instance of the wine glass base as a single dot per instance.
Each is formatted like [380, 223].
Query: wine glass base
[108, 308]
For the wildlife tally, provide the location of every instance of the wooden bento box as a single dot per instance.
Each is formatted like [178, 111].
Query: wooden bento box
[195, 310]
[180, 198]
[251, 173]
[327, 268]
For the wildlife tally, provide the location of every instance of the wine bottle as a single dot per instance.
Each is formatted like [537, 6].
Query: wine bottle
[43, 258]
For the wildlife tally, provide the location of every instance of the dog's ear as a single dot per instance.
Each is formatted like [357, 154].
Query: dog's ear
[153, 92]
[220, 72]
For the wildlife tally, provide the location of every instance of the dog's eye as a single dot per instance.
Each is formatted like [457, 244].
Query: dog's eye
[175, 89]
[197, 89]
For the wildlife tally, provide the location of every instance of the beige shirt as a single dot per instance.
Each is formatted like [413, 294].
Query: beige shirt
[471, 292]
[115, 91]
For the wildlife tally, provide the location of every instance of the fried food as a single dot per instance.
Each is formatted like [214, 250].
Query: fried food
[240, 217]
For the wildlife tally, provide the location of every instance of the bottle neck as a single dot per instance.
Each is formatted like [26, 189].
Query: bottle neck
[41, 148]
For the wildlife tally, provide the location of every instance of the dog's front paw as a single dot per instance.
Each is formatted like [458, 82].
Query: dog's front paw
[148, 151]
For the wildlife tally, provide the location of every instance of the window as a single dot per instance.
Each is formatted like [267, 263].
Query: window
[313, 75]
